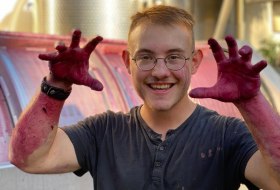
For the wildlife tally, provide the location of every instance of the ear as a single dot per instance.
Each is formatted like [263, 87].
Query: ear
[196, 60]
[126, 60]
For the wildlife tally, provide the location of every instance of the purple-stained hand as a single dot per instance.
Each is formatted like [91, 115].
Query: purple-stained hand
[71, 64]
[238, 79]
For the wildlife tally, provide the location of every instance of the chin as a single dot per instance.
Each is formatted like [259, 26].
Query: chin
[161, 107]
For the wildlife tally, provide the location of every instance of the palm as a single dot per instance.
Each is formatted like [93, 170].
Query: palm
[71, 64]
[237, 78]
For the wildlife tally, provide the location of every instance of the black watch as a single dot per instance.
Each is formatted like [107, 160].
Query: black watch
[54, 92]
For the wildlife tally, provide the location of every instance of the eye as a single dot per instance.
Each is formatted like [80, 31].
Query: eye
[174, 57]
[144, 57]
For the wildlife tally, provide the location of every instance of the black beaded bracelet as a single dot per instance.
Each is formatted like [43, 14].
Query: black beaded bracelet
[54, 92]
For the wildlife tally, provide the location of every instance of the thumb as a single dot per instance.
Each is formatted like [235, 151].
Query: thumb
[94, 84]
[202, 92]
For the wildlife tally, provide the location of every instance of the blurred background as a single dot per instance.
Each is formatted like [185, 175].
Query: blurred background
[254, 22]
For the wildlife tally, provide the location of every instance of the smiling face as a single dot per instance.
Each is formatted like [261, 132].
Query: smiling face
[160, 88]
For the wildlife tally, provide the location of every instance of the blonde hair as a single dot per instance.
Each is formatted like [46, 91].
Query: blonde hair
[165, 15]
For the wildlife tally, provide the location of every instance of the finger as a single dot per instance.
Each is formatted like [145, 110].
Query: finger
[60, 47]
[217, 50]
[90, 46]
[246, 53]
[48, 56]
[76, 37]
[202, 93]
[258, 67]
[232, 46]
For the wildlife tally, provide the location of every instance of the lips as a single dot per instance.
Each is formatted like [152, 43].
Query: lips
[161, 86]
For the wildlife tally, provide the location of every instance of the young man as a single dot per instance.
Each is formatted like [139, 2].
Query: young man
[159, 144]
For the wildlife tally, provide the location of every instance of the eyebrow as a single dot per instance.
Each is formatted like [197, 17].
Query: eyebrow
[176, 50]
[143, 51]
[168, 51]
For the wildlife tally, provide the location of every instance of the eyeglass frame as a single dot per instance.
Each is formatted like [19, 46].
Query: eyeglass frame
[165, 62]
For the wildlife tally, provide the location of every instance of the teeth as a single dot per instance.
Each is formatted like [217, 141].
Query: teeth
[161, 86]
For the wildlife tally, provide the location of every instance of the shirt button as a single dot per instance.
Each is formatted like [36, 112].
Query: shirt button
[161, 148]
[153, 136]
[157, 164]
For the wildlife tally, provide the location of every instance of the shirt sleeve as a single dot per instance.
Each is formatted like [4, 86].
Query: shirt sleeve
[84, 135]
[240, 147]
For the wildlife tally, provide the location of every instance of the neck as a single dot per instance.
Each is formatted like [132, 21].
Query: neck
[161, 121]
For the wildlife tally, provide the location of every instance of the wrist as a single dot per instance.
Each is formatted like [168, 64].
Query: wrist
[53, 91]
[51, 80]
[250, 102]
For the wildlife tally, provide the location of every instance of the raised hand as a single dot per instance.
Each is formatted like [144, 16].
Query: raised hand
[237, 78]
[71, 64]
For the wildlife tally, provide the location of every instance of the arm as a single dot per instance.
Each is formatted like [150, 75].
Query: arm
[37, 144]
[264, 124]
[239, 82]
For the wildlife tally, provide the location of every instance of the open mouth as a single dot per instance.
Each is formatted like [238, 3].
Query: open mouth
[160, 86]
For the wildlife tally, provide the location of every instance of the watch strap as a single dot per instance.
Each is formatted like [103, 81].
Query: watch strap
[54, 92]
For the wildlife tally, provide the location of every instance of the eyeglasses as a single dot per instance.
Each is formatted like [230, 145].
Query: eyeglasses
[173, 62]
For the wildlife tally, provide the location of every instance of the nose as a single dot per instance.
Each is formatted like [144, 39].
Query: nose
[160, 70]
